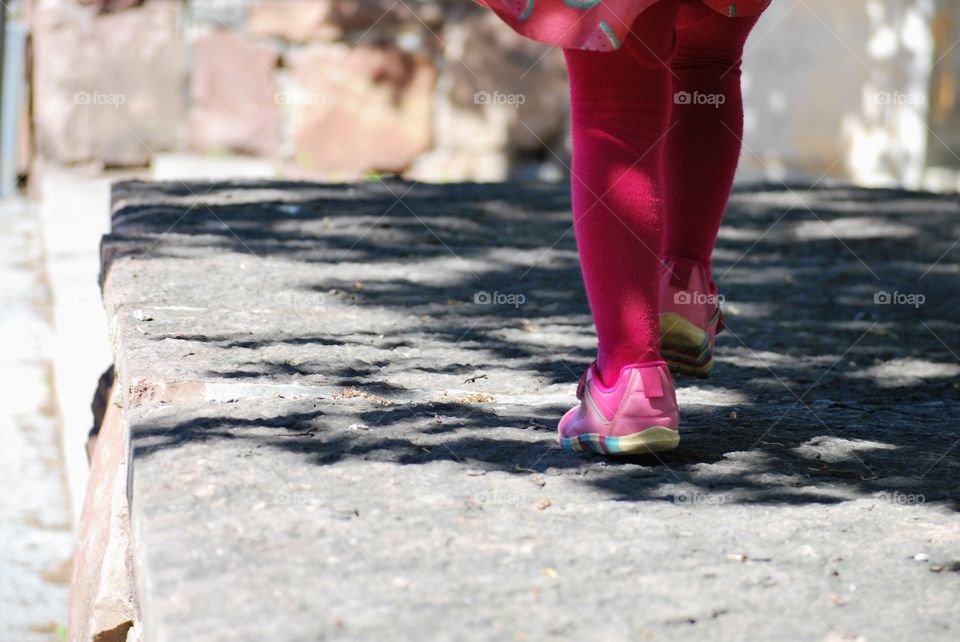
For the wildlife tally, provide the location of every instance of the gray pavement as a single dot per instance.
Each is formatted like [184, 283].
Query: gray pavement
[74, 213]
[35, 519]
[334, 437]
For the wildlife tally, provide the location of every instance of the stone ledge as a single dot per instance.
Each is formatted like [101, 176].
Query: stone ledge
[330, 439]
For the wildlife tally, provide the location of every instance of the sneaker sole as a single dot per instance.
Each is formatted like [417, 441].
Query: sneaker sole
[685, 347]
[652, 440]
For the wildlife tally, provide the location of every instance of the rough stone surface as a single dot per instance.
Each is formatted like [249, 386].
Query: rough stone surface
[234, 102]
[499, 92]
[117, 103]
[331, 440]
[102, 598]
[499, 97]
[359, 109]
[381, 20]
[294, 20]
[219, 14]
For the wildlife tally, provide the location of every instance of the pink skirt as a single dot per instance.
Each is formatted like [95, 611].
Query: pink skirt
[597, 25]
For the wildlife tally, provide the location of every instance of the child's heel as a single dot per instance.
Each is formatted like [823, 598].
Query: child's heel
[686, 348]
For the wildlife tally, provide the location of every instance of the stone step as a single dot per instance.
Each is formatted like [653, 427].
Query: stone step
[339, 402]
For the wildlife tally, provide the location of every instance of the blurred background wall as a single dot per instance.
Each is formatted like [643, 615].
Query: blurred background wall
[863, 90]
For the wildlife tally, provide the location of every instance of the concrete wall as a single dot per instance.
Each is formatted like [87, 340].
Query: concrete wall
[841, 89]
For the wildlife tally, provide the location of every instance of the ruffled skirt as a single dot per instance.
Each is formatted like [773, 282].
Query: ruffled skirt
[597, 25]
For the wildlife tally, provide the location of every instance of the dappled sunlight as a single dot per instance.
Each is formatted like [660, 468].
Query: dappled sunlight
[898, 373]
[853, 228]
[744, 357]
[751, 309]
[832, 449]
[712, 396]
[381, 308]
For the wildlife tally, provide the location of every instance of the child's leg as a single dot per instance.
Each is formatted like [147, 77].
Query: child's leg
[702, 150]
[620, 107]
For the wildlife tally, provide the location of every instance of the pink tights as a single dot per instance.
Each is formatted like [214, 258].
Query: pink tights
[652, 170]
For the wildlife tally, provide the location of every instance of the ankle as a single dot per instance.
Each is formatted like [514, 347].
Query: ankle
[610, 370]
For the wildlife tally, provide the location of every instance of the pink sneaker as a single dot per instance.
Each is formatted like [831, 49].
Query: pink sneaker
[690, 317]
[637, 415]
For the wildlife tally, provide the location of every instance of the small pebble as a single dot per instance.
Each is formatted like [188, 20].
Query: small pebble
[921, 557]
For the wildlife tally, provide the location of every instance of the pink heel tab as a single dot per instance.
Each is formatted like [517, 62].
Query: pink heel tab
[644, 364]
[686, 266]
[652, 384]
[582, 383]
[649, 373]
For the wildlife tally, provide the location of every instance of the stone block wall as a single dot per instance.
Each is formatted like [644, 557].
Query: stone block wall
[329, 89]
[338, 89]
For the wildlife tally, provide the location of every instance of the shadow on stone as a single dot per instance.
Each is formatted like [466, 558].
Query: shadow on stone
[823, 392]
